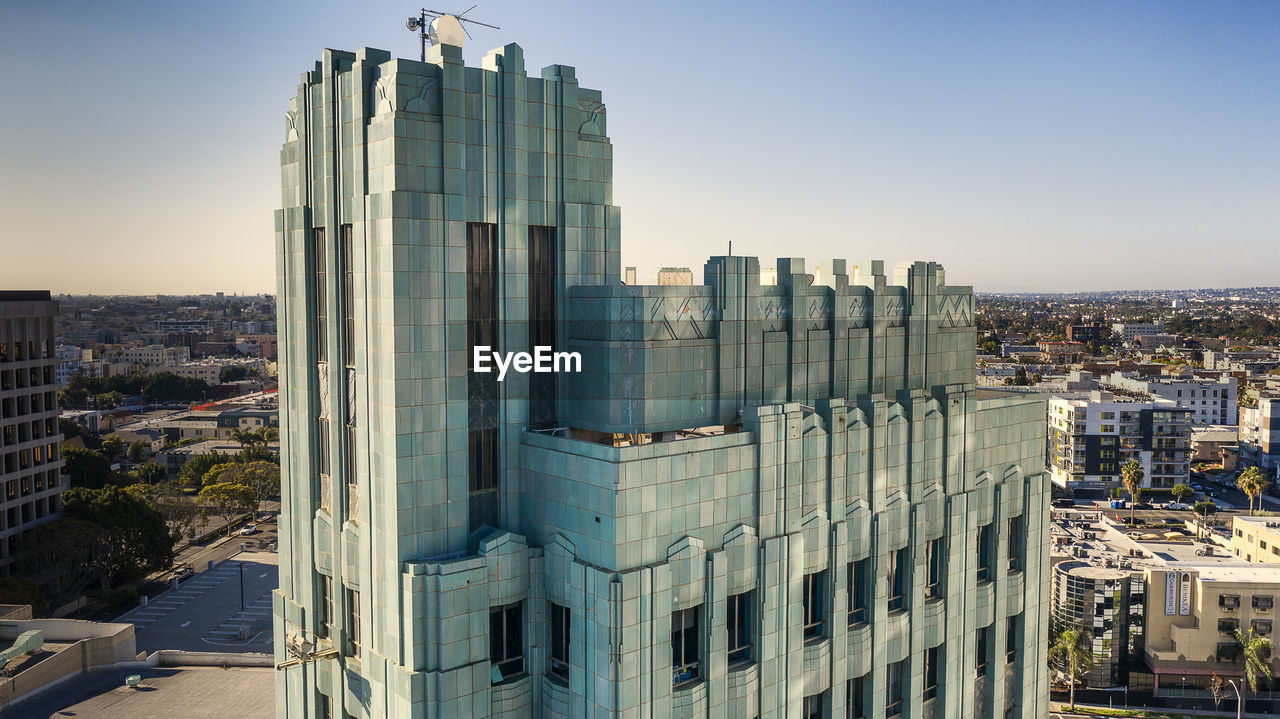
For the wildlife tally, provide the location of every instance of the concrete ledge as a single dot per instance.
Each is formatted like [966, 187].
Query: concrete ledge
[177, 658]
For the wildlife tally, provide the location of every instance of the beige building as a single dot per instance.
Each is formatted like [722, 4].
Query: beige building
[1256, 539]
[1192, 614]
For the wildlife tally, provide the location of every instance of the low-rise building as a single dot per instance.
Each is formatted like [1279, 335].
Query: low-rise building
[1192, 614]
[1256, 539]
[1090, 439]
[1156, 340]
[1210, 401]
[154, 355]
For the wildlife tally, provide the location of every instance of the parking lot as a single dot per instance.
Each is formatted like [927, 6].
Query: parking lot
[204, 612]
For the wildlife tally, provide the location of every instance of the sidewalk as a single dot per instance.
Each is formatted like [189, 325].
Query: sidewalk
[1227, 711]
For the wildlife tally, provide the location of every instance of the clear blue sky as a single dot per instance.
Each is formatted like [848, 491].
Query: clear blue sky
[1025, 145]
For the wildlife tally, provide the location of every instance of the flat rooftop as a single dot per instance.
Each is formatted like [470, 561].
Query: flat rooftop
[165, 692]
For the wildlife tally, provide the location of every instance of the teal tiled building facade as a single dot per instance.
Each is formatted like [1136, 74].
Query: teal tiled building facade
[782, 500]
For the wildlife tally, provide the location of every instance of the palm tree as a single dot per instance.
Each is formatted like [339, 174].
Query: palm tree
[1256, 653]
[245, 436]
[1131, 477]
[1252, 482]
[1072, 651]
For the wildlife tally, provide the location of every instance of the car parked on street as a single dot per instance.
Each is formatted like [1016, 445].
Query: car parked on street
[249, 529]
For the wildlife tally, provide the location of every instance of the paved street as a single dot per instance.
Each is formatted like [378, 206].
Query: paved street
[204, 613]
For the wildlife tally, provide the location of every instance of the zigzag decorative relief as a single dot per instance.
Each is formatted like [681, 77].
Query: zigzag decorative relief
[859, 311]
[895, 311]
[955, 310]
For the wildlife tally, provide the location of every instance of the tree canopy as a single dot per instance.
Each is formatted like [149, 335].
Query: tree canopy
[138, 539]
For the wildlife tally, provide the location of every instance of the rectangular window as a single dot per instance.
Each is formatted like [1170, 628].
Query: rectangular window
[739, 622]
[858, 594]
[811, 708]
[813, 606]
[482, 388]
[324, 606]
[857, 697]
[348, 298]
[559, 663]
[931, 673]
[1017, 540]
[349, 461]
[542, 321]
[986, 552]
[897, 579]
[506, 641]
[321, 292]
[896, 688]
[353, 623]
[686, 629]
[322, 461]
[935, 559]
[482, 470]
[1012, 639]
[983, 646]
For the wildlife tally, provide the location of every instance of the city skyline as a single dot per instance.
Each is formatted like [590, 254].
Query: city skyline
[1121, 144]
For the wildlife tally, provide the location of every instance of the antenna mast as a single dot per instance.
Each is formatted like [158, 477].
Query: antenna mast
[432, 31]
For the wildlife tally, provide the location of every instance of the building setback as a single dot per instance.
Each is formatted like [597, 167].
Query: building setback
[30, 463]
[783, 500]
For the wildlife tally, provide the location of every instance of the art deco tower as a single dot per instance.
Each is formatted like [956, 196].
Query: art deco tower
[782, 500]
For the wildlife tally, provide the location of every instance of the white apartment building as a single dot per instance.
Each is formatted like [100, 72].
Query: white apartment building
[1126, 331]
[1090, 439]
[69, 358]
[1211, 401]
[154, 355]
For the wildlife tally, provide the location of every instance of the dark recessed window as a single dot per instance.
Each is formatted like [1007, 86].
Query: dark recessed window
[739, 621]
[812, 707]
[506, 641]
[813, 605]
[324, 606]
[1017, 539]
[542, 321]
[482, 477]
[931, 673]
[857, 697]
[348, 298]
[897, 579]
[983, 647]
[686, 629]
[320, 335]
[1012, 639]
[895, 689]
[559, 655]
[935, 562]
[859, 594]
[353, 623]
[986, 553]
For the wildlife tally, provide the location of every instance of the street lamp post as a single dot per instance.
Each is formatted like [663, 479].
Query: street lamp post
[1239, 699]
[242, 600]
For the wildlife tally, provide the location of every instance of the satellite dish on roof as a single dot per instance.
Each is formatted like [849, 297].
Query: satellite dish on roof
[447, 30]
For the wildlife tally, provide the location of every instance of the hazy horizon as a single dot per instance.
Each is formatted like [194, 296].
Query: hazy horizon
[1062, 148]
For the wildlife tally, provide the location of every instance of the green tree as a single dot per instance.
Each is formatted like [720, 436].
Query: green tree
[71, 430]
[1255, 652]
[182, 514]
[63, 557]
[22, 590]
[1252, 482]
[196, 467]
[1181, 491]
[232, 374]
[148, 473]
[1131, 477]
[263, 478]
[137, 450]
[1205, 512]
[112, 447]
[1071, 655]
[85, 467]
[227, 500]
[138, 540]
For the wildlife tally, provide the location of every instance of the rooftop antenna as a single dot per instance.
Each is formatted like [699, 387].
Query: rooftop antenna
[444, 27]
